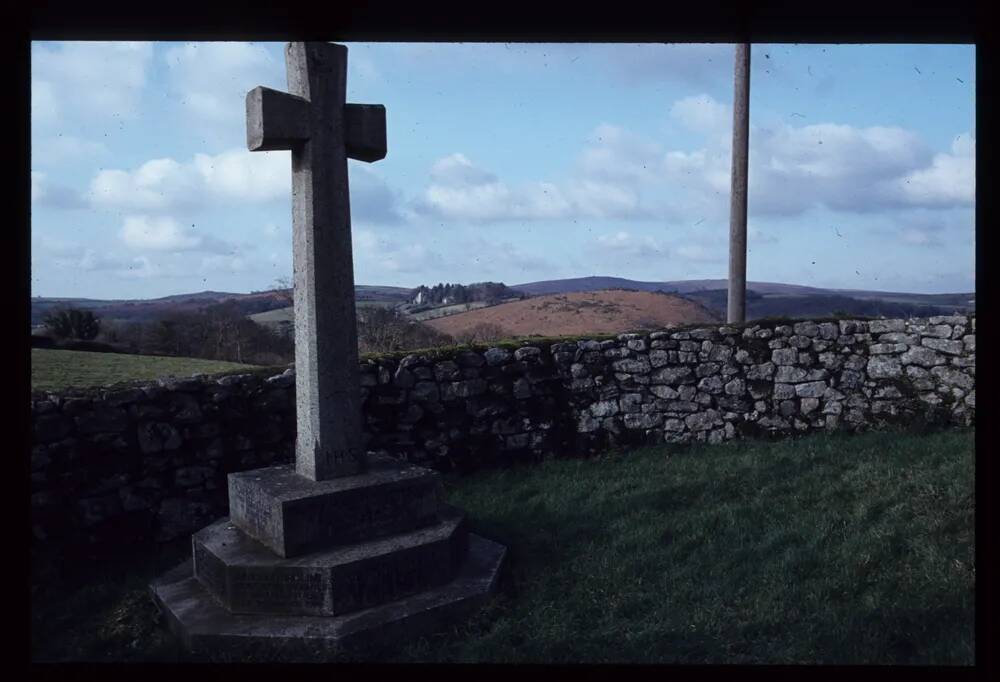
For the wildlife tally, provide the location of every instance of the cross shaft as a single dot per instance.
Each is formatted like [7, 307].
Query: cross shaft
[322, 132]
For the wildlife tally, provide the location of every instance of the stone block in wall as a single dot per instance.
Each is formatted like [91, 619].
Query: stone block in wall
[94, 510]
[587, 424]
[761, 372]
[706, 369]
[701, 421]
[882, 326]
[900, 337]
[447, 370]
[648, 420]
[953, 377]
[711, 384]
[886, 348]
[811, 389]
[944, 345]
[783, 357]
[177, 516]
[789, 374]
[630, 402]
[783, 391]
[529, 354]
[665, 392]
[940, 331]
[157, 437]
[679, 406]
[425, 391]
[922, 356]
[636, 365]
[672, 375]
[733, 404]
[884, 367]
[51, 427]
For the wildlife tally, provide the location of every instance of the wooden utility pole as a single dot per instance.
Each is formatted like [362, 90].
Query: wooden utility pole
[737, 309]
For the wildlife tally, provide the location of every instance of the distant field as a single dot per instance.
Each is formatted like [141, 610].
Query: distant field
[58, 369]
[446, 310]
[590, 312]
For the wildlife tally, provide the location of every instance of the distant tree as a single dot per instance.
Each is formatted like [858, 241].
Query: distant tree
[483, 332]
[383, 329]
[73, 323]
[283, 289]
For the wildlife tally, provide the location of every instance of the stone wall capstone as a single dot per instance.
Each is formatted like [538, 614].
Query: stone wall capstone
[121, 466]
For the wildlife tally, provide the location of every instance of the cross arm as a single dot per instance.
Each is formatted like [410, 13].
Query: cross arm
[275, 120]
[364, 131]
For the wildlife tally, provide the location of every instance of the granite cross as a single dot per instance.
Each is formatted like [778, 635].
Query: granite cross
[322, 131]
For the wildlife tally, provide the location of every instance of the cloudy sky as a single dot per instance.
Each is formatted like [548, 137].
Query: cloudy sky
[511, 162]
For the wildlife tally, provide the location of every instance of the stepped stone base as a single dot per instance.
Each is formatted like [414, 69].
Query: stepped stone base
[204, 625]
[247, 577]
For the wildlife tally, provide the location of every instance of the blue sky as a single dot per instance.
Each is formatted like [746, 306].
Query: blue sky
[511, 162]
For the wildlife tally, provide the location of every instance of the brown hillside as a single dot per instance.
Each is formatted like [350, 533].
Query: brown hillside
[587, 312]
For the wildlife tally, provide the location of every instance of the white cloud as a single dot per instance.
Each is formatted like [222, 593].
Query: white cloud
[157, 234]
[231, 177]
[372, 199]
[54, 246]
[918, 237]
[213, 78]
[693, 63]
[93, 79]
[44, 105]
[141, 267]
[702, 253]
[703, 114]
[626, 243]
[37, 185]
[238, 175]
[841, 167]
[64, 149]
[457, 171]
[167, 185]
[950, 179]
[756, 236]
[461, 190]
[93, 260]
[618, 155]
[391, 256]
[222, 263]
[45, 193]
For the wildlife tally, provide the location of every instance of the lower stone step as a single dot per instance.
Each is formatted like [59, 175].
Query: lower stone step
[205, 626]
[247, 577]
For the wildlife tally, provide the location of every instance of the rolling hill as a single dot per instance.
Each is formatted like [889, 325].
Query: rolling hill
[140, 310]
[771, 299]
[586, 312]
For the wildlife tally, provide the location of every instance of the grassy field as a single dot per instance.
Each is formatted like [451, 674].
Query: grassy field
[57, 369]
[831, 549]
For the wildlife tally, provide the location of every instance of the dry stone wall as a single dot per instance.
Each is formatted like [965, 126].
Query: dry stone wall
[131, 464]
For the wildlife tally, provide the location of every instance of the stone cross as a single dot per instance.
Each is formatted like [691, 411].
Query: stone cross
[322, 131]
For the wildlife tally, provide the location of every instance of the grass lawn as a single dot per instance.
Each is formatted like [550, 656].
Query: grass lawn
[58, 369]
[832, 549]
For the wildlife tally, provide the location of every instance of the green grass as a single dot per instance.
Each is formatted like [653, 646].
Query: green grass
[53, 370]
[831, 549]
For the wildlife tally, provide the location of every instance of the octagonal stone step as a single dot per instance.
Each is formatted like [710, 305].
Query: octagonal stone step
[293, 515]
[205, 627]
[246, 577]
